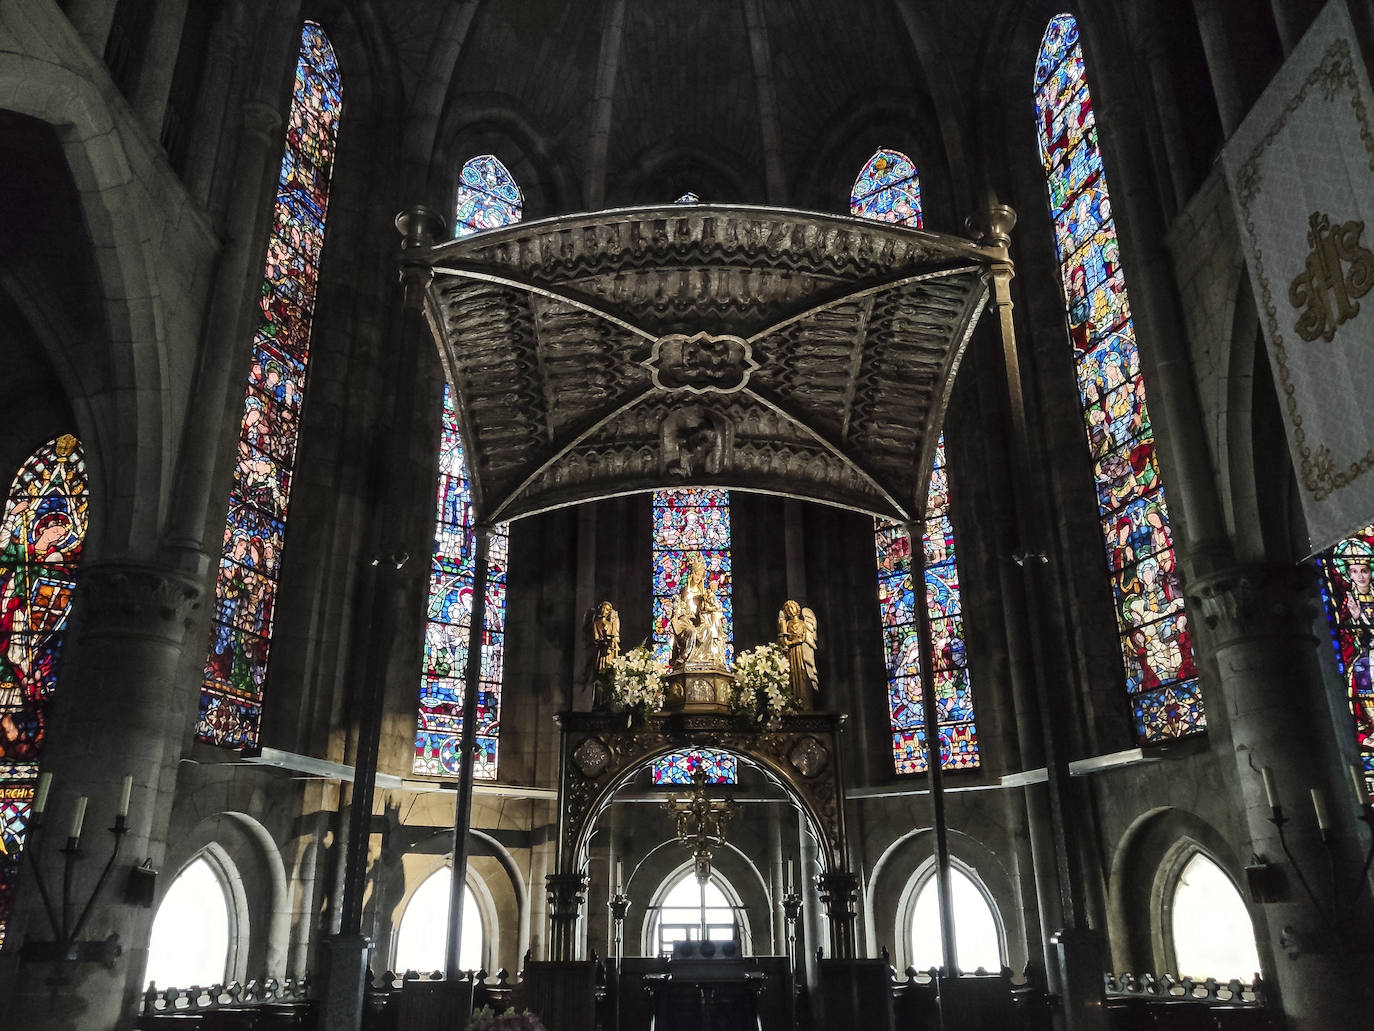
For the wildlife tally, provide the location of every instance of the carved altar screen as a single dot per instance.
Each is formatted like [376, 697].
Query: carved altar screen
[488, 197]
[439, 728]
[246, 588]
[45, 519]
[1349, 597]
[686, 521]
[897, 605]
[1156, 649]
[888, 190]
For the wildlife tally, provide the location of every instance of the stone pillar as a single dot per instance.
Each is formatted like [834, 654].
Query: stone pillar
[92, 20]
[838, 890]
[567, 892]
[1212, 17]
[1291, 18]
[116, 714]
[1268, 690]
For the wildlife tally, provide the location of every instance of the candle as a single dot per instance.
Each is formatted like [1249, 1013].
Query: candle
[78, 818]
[124, 795]
[1319, 804]
[619, 876]
[40, 800]
[1356, 774]
[1268, 776]
[788, 886]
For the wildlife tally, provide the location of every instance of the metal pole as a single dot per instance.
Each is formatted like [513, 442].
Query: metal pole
[462, 810]
[930, 717]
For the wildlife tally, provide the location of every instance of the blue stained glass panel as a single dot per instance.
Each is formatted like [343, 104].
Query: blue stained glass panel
[949, 663]
[245, 591]
[439, 722]
[488, 197]
[887, 190]
[1160, 673]
[687, 521]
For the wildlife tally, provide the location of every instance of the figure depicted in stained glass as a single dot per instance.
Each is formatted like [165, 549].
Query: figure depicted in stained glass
[1348, 587]
[1161, 675]
[692, 541]
[42, 528]
[797, 635]
[949, 662]
[488, 197]
[245, 591]
[452, 585]
[888, 190]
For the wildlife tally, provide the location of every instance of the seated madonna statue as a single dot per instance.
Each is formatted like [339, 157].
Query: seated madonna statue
[697, 622]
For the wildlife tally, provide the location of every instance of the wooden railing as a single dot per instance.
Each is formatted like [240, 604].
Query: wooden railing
[1168, 987]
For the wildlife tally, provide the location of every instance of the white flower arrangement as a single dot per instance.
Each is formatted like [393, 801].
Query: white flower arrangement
[763, 684]
[636, 682]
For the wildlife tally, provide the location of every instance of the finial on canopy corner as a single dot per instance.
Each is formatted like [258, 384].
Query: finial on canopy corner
[992, 228]
[420, 226]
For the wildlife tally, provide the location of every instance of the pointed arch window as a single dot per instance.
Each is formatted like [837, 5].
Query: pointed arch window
[1349, 596]
[897, 608]
[688, 521]
[888, 190]
[488, 197]
[190, 940]
[255, 530]
[422, 937]
[1156, 646]
[452, 580]
[1210, 928]
[45, 517]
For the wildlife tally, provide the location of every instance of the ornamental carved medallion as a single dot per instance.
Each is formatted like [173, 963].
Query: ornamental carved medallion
[591, 757]
[809, 757]
[700, 363]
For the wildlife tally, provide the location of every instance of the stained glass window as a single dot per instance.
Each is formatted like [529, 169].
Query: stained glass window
[452, 580]
[1156, 646]
[1349, 598]
[691, 520]
[897, 607]
[250, 562]
[888, 190]
[488, 197]
[688, 198]
[45, 518]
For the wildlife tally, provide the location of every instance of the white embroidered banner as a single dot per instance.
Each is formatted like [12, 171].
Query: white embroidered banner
[1301, 173]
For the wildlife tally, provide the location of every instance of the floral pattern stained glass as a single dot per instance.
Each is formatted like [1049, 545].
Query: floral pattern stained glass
[1156, 646]
[45, 518]
[254, 533]
[1349, 595]
[888, 190]
[488, 197]
[452, 581]
[897, 606]
[691, 519]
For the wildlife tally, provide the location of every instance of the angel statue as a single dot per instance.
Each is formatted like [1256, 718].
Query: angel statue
[605, 637]
[797, 635]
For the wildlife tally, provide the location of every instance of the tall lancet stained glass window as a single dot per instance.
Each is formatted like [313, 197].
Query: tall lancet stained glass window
[488, 197]
[1349, 593]
[250, 562]
[1156, 648]
[452, 580]
[688, 521]
[45, 518]
[897, 606]
[888, 190]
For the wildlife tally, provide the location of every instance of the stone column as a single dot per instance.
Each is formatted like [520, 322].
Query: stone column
[838, 890]
[1291, 18]
[1212, 17]
[92, 20]
[1268, 690]
[115, 715]
[567, 892]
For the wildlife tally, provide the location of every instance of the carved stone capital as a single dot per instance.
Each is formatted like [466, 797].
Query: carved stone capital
[118, 599]
[1256, 602]
[838, 890]
[567, 893]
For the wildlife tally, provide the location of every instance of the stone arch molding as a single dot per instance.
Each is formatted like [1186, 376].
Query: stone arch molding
[602, 754]
[124, 401]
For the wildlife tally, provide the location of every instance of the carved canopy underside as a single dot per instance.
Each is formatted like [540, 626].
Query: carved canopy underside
[751, 348]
